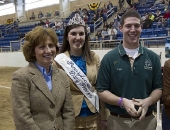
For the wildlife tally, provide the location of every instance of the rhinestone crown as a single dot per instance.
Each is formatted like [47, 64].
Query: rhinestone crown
[76, 20]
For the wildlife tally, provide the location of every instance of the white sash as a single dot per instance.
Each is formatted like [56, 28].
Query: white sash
[79, 78]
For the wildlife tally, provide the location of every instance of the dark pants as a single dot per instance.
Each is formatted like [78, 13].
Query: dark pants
[165, 121]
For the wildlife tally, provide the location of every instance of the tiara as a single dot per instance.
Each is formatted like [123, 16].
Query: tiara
[76, 20]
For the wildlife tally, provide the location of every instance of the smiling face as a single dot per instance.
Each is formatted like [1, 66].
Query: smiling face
[76, 39]
[131, 30]
[45, 53]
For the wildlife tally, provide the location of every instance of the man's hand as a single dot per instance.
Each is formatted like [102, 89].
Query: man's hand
[143, 106]
[130, 107]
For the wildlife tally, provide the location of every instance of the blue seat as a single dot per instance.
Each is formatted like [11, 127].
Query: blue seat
[119, 37]
[144, 36]
[162, 35]
[164, 31]
[119, 33]
[157, 31]
[148, 31]
[152, 35]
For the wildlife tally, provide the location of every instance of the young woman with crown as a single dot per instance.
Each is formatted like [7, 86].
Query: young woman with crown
[81, 66]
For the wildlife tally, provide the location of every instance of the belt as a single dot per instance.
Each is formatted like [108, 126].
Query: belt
[129, 116]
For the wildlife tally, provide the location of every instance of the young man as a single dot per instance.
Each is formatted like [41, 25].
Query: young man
[129, 80]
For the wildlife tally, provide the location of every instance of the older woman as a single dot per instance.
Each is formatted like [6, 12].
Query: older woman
[41, 99]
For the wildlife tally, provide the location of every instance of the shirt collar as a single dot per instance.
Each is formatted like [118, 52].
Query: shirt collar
[122, 51]
[43, 70]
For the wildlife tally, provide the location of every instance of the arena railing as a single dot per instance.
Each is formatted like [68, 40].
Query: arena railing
[13, 46]
[94, 45]
[97, 23]
[110, 12]
[109, 44]
[4, 48]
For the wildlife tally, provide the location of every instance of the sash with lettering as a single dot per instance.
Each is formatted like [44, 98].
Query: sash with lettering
[79, 78]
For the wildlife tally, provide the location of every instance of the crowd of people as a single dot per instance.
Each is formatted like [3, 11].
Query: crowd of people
[42, 15]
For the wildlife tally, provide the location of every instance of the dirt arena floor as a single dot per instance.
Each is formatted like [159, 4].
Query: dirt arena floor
[6, 119]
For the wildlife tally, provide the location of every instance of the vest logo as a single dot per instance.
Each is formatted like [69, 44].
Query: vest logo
[115, 62]
[148, 64]
[119, 69]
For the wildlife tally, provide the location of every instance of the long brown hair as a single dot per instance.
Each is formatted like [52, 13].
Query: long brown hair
[89, 56]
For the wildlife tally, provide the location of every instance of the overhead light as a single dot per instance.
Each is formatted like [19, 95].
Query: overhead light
[1, 1]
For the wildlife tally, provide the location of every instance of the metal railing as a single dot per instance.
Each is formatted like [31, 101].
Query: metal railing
[97, 23]
[95, 45]
[109, 44]
[110, 12]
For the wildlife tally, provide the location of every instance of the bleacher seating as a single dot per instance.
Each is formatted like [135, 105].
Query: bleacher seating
[142, 9]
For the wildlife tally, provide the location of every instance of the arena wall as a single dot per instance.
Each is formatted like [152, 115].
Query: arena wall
[16, 59]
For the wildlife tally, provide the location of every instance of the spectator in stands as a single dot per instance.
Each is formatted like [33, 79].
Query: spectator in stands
[105, 25]
[109, 5]
[85, 18]
[80, 11]
[117, 16]
[133, 7]
[88, 30]
[75, 50]
[41, 91]
[77, 11]
[21, 35]
[14, 29]
[99, 14]
[57, 13]
[143, 2]
[48, 14]
[105, 33]
[116, 25]
[157, 2]
[144, 17]
[157, 16]
[42, 23]
[161, 23]
[151, 16]
[58, 31]
[105, 10]
[165, 96]
[32, 16]
[0, 33]
[166, 5]
[129, 80]
[120, 4]
[64, 25]
[94, 18]
[166, 16]
[58, 23]
[98, 35]
[112, 32]
[85, 11]
[147, 23]
[111, 24]
[47, 23]
[40, 14]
